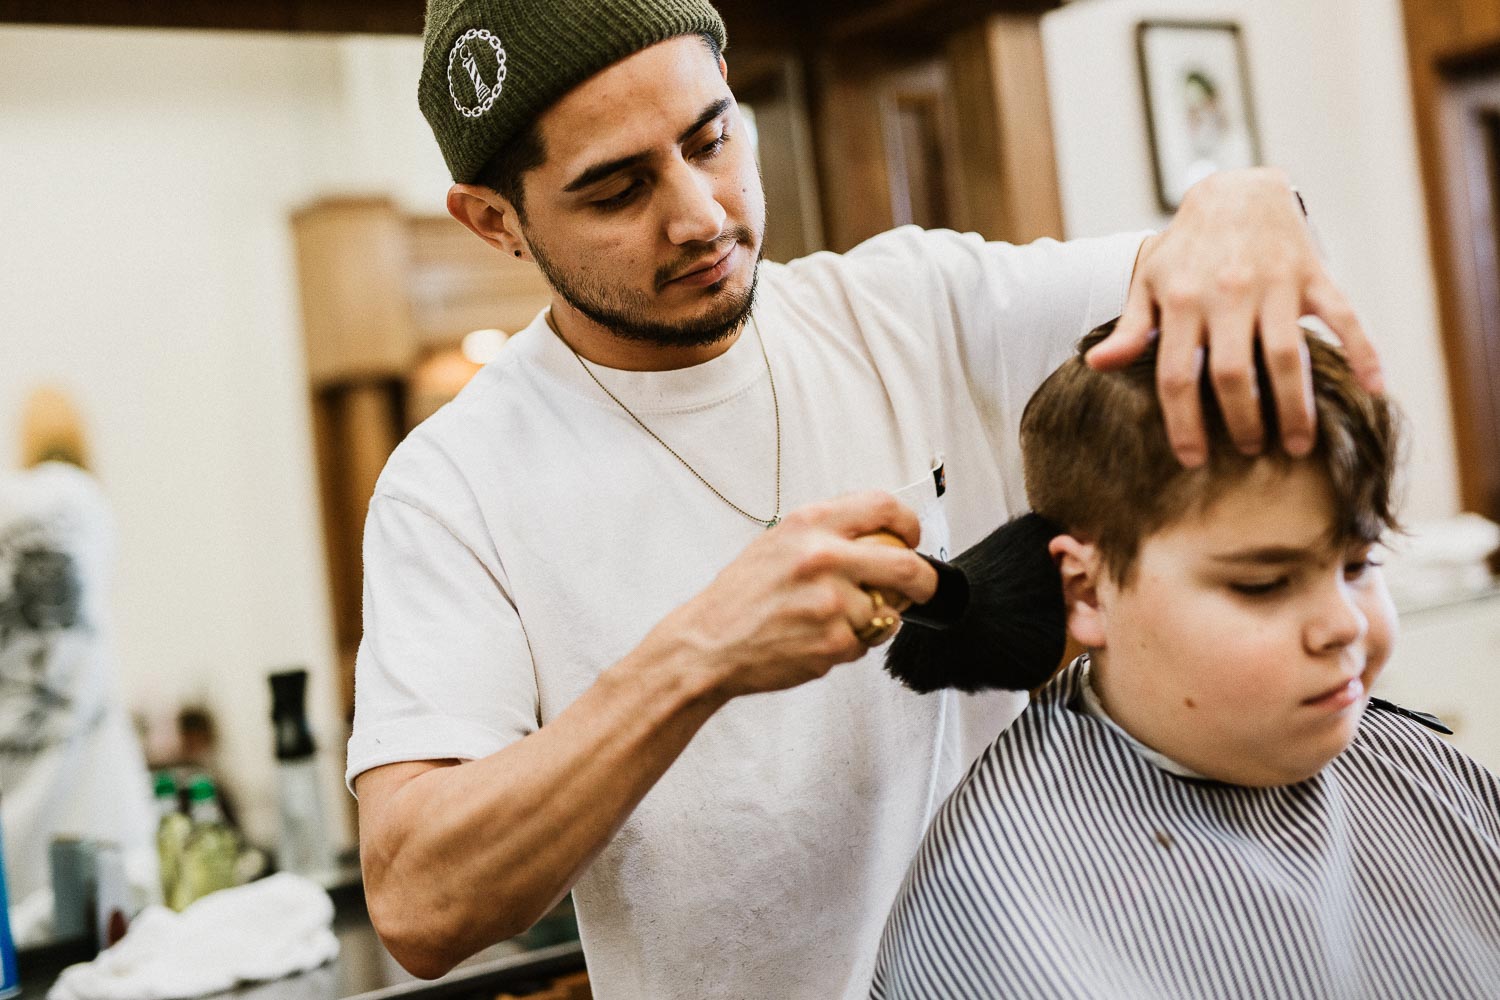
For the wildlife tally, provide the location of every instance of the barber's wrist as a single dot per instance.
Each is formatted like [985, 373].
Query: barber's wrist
[677, 667]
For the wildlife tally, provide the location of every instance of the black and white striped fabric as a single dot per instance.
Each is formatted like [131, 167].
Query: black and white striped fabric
[1067, 865]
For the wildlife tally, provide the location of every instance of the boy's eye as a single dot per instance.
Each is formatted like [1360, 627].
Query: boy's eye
[1259, 588]
[1356, 568]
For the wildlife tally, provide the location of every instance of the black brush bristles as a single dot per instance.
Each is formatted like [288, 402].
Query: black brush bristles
[1013, 631]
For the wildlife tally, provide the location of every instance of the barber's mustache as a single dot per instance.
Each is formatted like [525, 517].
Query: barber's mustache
[697, 252]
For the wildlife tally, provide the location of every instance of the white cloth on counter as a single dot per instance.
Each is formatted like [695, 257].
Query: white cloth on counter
[1441, 558]
[265, 930]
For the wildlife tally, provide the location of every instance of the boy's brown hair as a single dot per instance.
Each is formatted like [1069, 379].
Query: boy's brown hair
[1098, 461]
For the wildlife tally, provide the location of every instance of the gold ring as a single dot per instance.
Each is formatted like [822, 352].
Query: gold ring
[878, 630]
[882, 623]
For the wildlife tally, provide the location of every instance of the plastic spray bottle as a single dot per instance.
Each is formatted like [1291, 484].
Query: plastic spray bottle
[304, 847]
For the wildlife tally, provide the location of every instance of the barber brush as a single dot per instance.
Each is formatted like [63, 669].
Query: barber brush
[997, 620]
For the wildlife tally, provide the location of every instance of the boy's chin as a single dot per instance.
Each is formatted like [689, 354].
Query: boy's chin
[1286, 769]
[1291, 776]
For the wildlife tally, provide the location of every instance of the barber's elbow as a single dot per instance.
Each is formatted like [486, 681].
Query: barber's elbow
[414, 932]
[425, 938]
[419, 962]
[414, 943]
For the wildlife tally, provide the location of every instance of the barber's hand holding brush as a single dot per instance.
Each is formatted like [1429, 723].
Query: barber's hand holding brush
[997, 620]
[787, 609]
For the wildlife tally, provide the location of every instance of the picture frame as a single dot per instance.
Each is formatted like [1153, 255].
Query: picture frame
[1200, 114]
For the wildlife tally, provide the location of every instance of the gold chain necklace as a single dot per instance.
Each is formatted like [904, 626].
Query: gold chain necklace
[775, 518]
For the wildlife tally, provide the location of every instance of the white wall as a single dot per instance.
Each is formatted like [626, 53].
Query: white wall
[1331, 93]
[146, 182]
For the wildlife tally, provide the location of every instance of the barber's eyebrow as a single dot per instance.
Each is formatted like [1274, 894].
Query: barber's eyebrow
[711, 112]
[599, 171]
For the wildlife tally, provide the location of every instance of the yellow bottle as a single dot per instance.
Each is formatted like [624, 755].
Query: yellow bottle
[172, 828]
[212, 847]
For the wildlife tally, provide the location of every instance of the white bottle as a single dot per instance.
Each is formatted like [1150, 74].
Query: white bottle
[304, 848]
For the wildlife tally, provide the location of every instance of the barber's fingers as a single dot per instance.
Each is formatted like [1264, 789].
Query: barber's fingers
[1231, 370]
[900, 575]
[866, 539]
[833, 620]
[1288, 368]
[1179, 366]
[895, 600]
[1133, 332]
[871, 619]
[859, 514]
[1324, 300]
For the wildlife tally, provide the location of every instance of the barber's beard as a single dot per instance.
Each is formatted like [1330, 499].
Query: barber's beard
[627, 313]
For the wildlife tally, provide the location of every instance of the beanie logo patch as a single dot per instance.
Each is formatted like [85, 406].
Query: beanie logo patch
[479, 60]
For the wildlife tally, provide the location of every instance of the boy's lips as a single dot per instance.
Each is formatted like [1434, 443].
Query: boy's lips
[1340, 696]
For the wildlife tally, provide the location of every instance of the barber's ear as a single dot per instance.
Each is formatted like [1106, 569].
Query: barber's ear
[1081, 568]
[489, 215]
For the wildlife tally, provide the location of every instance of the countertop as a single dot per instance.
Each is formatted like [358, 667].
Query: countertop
[366, 971]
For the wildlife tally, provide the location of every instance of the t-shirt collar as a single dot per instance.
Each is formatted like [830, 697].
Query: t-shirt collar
[695, 387]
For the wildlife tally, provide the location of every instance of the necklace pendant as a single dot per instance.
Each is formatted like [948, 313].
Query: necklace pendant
[773, 522]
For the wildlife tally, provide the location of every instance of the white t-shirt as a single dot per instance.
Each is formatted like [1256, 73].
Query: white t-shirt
[530, 534]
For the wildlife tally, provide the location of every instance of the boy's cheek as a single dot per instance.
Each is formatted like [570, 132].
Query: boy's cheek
[1384, 625]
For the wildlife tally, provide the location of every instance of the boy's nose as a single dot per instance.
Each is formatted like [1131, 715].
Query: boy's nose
[1337, 620]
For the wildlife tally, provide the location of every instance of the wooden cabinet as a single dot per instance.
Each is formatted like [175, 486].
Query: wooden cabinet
[384, 292]
[953, 133]
[380, 288]
[1454, 52]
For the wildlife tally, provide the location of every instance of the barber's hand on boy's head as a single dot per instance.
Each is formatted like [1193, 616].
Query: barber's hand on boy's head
[1237, 262]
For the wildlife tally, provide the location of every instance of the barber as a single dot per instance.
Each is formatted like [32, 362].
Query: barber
[606, 586]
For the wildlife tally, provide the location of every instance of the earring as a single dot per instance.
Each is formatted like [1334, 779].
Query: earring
[518, 253]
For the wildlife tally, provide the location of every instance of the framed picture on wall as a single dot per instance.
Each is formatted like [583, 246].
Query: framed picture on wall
[1198, 106]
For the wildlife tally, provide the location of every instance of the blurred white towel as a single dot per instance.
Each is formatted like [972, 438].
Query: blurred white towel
[1442, 558]
[264, 930]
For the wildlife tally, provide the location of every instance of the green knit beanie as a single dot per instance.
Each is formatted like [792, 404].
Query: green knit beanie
[490, 67]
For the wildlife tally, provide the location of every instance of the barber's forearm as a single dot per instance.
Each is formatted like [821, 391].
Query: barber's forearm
[463, 856]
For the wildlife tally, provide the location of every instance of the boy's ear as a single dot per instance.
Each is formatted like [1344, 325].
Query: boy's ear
[489, 215]
[1080, 565]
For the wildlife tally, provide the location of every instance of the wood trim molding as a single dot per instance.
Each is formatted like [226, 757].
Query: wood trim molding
[786, 24]
[391, 17]
[1007, 157]
[1446, 37]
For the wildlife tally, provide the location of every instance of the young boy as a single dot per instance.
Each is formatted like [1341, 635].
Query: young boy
[1208, 803]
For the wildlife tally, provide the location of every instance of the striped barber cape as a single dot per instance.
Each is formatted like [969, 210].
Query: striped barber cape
[1066, 864]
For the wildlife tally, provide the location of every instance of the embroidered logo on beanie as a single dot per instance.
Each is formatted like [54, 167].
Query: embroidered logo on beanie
[480, 60]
